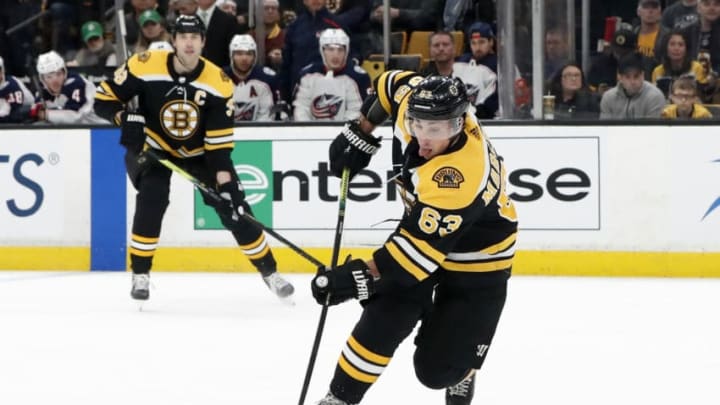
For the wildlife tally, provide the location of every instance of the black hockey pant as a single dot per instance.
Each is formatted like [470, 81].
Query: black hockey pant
[458, 325]
[152, 182]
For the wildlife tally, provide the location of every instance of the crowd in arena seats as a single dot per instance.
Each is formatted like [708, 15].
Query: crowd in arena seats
[664, 63]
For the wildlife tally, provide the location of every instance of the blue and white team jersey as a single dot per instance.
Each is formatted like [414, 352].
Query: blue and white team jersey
[480, 81]
[255, 96]
[74, 104]
[326, 95]
[15, 100]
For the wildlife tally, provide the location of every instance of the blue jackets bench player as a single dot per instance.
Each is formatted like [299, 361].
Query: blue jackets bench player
[15, 99]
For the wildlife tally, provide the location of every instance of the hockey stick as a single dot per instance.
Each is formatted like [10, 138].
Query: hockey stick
[333, 263]
[215, 196]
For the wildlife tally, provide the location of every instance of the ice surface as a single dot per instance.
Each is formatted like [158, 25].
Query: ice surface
[77, 338]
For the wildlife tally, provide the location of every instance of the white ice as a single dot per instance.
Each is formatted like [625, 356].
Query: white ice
[77, 338]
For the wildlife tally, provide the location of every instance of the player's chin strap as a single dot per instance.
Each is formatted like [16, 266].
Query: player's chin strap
[215, 196]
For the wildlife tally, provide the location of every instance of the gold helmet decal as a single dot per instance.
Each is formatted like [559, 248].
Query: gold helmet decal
[179, 118]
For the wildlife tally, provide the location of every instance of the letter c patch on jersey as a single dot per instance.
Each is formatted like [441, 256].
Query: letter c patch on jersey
[179, 119]
[448, 177]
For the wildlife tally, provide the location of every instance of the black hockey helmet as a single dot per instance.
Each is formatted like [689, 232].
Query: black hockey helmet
[188, 24]
[438, 98]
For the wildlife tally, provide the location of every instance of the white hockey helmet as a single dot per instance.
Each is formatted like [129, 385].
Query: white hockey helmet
[2, 63]
[243, 42]
[50, 62]
[2, 70]
[333, 36]
[164, 45]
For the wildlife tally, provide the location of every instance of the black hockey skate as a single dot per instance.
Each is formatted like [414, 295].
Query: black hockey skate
[140, 287]
[279, 286]
[331, 399]
[461, 393]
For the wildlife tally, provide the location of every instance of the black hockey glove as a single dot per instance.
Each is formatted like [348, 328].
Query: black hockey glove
[233, 192]
[352, 148]
[132, 131]
[349, 280]
[281, 111]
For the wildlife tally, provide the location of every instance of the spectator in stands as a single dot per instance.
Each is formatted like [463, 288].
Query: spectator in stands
[301, 43]
[478, 70]
[481, 39]
[409, 15]
[603, 70]
[228, 6]
[650, 32]
[16, 47]
[573, 98]
[676, 62]
[709, 92]
[685, 102]
[703, 34]
[63, 16]
[274, 34]
[405, 15]
[334, 89]
[131, 20]
[557, 52]
[239, 13]
[67, 98]
[442, 54]
[255, 86]
[680, 14]
[15, 99]
[151, 30]
[354, 16]
[221, 27]
[178, 8]
[96, 52]
[459, 15]
[633, 97]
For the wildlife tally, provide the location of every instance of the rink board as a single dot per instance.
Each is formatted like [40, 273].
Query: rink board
[591, 200]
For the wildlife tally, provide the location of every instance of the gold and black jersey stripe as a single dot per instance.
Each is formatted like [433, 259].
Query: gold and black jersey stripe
[459, 217]
[186, 114]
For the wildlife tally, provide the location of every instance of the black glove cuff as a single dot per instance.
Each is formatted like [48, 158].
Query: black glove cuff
[359, 139]
[132, 131]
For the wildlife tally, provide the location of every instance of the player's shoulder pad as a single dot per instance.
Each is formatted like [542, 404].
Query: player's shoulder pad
[74, 79]
[214, 80]
[454, 181]
[392, 86]
[148, 63]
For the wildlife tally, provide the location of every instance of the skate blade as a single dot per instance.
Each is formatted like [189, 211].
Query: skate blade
[140, 304]
[289, 300]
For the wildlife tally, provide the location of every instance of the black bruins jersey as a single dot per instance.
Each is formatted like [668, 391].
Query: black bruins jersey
[458, 215]
[185, 114]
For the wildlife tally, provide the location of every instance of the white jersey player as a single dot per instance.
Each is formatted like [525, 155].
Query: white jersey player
[68, 98]
[333, 90]
[481, 83]
[255, 86]
[15, 99]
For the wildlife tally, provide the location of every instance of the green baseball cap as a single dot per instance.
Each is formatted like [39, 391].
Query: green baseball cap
[91, 29]
[149, 15]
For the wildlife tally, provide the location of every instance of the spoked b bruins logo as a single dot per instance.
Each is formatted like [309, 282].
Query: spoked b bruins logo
[179, 118]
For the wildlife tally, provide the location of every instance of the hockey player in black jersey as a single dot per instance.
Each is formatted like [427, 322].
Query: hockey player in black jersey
[185, 111]
[448, 261]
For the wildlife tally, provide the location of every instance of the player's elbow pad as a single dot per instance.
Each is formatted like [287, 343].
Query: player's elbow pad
[107, 109]
[373, 111]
